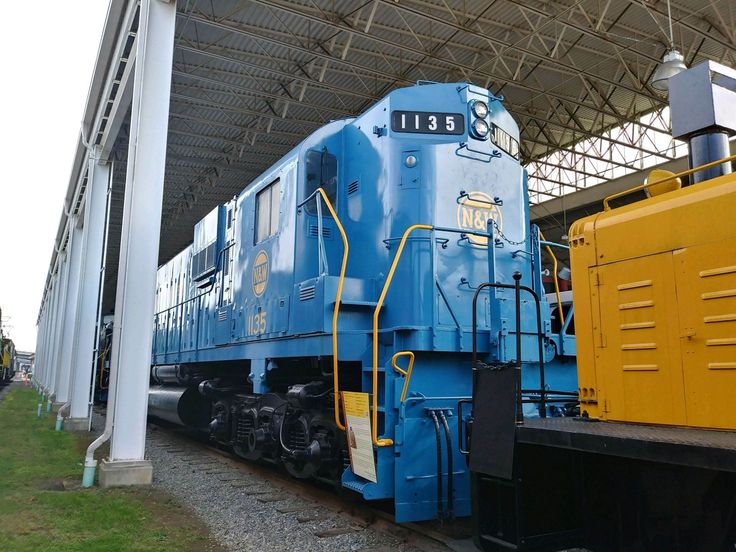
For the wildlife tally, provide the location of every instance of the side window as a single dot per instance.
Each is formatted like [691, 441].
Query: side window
[267, 211]
[321, 172]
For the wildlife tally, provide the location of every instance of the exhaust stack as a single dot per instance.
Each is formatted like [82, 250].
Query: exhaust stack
[702, 101]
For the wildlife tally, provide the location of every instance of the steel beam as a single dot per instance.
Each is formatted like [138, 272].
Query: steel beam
[190, 100]
[256, 93]
[433, 55]
[206, 50]
[115, 95]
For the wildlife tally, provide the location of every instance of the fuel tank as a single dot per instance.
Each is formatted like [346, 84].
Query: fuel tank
[179, 405]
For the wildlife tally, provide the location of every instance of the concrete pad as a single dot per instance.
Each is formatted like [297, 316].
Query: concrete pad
[125, 473]
[76, 424]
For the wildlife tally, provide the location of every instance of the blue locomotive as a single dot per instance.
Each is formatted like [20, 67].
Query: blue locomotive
[347, 270]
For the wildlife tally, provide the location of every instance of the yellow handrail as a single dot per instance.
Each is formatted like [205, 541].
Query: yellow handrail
[102, 367]
[336, 310]
[406, 372]
[557, 282]
[607, 207]
[374, 422]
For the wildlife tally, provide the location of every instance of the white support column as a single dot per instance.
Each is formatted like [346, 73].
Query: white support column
[134, 303]
[40, 373]
[48, 356]
[41, 361]
[83, 356]
[39, 337]
[41, 342]
[55, 357]
[47, 330]
[46, 335]
[69, 314]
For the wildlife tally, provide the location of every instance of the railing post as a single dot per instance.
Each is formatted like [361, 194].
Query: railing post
[517, 305]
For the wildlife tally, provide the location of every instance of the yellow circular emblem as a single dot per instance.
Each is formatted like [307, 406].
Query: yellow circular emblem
[473, 212]
[260, 273]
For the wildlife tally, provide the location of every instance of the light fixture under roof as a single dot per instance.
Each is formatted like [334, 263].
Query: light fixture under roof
[672, 64]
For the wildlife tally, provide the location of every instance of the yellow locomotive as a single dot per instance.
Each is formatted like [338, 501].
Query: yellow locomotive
[649, 465]
[657, 282]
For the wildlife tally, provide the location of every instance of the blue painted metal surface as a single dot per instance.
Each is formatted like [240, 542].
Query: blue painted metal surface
[261, 303]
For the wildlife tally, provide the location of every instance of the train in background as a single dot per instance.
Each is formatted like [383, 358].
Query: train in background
[650, 462]
[7, 357]
[324, 319]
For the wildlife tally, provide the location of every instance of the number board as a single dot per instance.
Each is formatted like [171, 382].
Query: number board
[427, 122]
[504, 141]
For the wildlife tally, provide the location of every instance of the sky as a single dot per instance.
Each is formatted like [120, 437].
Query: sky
[47, 54]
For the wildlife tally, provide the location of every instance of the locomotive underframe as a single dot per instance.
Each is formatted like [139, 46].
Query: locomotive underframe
[589, 496]
[291, 425]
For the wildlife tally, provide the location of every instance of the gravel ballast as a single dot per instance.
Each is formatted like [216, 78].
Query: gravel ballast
[244, 512]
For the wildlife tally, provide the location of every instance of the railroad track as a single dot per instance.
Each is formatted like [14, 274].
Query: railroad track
[331, 518]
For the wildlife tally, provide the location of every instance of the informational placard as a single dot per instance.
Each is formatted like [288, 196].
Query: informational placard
[358, 431]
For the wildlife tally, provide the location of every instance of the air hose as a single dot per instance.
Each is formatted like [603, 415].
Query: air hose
[439, 463]
[448, 438]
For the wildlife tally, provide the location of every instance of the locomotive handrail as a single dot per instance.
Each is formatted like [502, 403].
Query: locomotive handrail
[374, 421]
[641, 187]
[338, 298]
[556, 280]
[442, 241]
[406, 373]
[209, 290]
[517, 287]
[497, 201]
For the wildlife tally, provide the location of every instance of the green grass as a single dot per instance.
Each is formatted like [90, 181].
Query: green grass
[34, 459]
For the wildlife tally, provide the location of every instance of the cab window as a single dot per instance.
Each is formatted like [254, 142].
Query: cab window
[321, 172]
[267, 211]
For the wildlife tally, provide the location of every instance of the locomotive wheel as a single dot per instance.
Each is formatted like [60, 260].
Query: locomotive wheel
[245, 445]
[296, 436]
[333, 443]
[220, 424]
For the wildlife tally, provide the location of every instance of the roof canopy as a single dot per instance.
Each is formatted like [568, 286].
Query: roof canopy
[252, 77]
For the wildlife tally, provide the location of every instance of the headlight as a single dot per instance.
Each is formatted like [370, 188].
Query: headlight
[480, 128]
[480, 109]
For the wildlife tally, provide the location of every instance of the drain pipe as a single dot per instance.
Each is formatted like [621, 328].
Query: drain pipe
[40, 404]
[60, 415]
[90, 464]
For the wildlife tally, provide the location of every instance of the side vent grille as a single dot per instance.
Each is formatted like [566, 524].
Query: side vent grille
[352, 187]
[306, 293]
[314, 231]
[204, 261]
